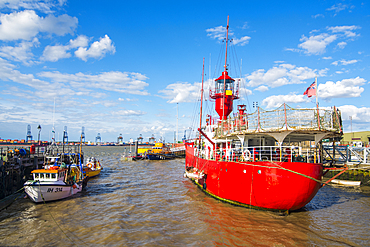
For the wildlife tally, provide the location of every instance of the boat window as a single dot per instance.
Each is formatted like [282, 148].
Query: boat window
[47, 176]
[220, 85]
[41, 175]
[53, 176]
[37, 175]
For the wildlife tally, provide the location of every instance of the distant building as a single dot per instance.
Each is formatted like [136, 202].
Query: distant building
[360, 139]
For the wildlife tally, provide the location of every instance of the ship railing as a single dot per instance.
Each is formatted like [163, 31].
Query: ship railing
[263, 153]
[283, 118]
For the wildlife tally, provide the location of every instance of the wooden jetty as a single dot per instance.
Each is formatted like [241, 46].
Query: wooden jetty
[16, 164]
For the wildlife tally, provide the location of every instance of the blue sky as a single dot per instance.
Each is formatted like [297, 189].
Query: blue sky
[135, 67]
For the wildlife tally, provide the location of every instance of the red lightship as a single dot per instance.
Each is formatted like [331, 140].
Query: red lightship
[261, 160]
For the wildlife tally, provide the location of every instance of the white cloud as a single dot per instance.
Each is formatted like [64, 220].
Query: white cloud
[277, 100]
[123, 82]
[342, 44]
[346, 88]
[346, 30]
[97, 50]
[27, 24]
[262, 89]
[244, 92]
[182, 92]
[19, 25]
[316, 44]
[127, 99]
[356, 113]
[54, 53]
[43, 6]
[344, 62]
[318, 15]
[282, 74]
[219, 33]
[242, 41]
[129, 113]
[338, 7]
[21, 53]
[360, 116]
[80, 41]
[60, 25]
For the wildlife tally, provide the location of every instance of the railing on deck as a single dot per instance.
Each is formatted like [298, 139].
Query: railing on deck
[262, 153]
[283, 118]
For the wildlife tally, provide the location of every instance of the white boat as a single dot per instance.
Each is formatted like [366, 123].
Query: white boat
[61, 176]
[54, 183]
[346, 182]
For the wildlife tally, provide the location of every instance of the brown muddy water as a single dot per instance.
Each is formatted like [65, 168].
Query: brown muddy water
[150, 203]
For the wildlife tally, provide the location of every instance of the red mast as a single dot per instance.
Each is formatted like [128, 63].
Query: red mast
[201, 102]
[224, 88]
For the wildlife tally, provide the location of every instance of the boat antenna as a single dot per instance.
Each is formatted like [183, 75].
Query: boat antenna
[53, 123]
[201, 103]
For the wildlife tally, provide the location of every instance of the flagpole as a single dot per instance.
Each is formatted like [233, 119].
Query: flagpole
[317, 95]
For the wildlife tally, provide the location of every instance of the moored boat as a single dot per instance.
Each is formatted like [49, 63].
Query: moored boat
[60, 177]
[160, 151]
[92, 167]
[260, 160]
[54, 182]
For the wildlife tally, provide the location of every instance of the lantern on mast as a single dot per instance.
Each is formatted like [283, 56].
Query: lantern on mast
[224, 92]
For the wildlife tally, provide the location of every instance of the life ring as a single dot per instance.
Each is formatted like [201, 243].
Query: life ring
[246, 155]
[89, 165]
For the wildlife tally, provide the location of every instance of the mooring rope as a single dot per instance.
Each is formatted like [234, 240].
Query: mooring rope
[6, 198]
[56, 222]
[282, 168]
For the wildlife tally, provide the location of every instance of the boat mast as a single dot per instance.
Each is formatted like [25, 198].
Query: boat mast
[201, 104]
[227, 39]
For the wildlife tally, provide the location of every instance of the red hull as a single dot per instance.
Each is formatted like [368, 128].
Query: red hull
[274, 186]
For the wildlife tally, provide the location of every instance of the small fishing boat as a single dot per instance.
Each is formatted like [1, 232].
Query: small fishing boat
[92, 167]
[54, 182]
[61, 175]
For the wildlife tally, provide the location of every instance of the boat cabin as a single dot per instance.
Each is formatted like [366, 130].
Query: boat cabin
[49, 175]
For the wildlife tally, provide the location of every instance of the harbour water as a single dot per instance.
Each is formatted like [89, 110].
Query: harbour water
[150, 203]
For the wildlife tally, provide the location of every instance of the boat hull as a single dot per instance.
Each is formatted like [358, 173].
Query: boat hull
[266, 185]
[44, 191]
[92, 173]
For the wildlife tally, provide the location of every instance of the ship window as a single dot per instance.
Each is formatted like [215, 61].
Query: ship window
[37, 175]
[220, 85]
[47, 176]
[41, 175]
[53, 176]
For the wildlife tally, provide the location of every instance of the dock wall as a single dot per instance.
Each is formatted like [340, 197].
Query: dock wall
[16, 164]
